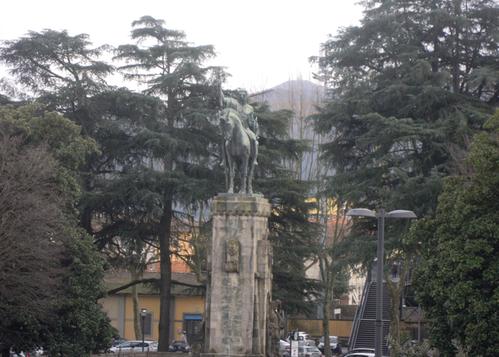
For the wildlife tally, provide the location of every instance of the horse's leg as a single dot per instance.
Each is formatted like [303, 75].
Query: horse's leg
[229, 168]
[254, 154]
[232, 173]
[226, 166]
[244, 172]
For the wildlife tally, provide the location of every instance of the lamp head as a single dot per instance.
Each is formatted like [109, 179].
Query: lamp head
[401, 213]
[361, 212]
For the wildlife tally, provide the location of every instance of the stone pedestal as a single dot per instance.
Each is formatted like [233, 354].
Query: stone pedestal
[239, 289]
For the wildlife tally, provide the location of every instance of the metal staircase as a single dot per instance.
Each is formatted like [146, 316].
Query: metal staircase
[363, 328]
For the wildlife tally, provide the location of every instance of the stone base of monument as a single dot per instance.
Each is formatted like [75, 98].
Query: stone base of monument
[239, 286]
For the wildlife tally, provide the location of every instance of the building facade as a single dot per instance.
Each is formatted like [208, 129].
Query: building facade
[187, 307]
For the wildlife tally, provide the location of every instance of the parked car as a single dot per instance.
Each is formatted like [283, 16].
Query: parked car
[284, 348]
[15, 354]
[37, 352]
[333, 343]
[34, 353]
[135, 346]
[360, 352]
[309, 351]
[283, 344]
[179, 346]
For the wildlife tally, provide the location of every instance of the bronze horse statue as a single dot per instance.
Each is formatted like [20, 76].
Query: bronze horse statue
[240, 146]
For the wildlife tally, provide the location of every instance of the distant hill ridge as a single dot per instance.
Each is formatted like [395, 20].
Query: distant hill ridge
[302, 97]
[293, 94]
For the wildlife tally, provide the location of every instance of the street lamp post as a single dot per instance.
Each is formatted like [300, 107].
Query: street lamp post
[380, 215]
[143, 313]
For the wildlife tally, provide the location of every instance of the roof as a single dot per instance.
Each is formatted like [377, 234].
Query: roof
[182, 283]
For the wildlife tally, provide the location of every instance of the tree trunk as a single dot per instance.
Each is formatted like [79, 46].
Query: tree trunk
[325, 324]
[165, 230]
[86, 212]
[86, 220]
[136, 309]
[326, 305]
[434, 60]
[165, 276]
[455, 71]
[395, 290]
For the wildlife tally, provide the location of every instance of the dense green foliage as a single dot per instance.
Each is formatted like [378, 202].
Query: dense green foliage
[78, 326]
[456, 280]
[30, 216]
[52, 272]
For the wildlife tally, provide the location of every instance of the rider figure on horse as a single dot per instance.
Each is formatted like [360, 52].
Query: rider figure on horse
[245, 112]
[240, 110]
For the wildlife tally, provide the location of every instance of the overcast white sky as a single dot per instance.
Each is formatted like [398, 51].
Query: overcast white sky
[261, 42]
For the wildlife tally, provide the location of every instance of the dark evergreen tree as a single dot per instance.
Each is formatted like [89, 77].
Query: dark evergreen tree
[405, 98]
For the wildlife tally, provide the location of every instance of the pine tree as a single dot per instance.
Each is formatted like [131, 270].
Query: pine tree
[182, 143]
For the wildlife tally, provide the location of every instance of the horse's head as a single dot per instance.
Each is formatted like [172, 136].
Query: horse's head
[226, 124]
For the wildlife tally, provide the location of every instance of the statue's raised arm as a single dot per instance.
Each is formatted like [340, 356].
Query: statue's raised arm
[239, 126]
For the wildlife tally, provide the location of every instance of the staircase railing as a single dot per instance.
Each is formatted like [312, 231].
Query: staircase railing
[358, 315]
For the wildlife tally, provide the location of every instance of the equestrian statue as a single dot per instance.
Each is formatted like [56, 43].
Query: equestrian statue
[239, 126]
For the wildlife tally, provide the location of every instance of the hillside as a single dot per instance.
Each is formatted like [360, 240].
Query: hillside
[302, 97]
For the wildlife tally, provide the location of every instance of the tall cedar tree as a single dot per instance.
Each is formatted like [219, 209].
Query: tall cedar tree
[182, 143]
[128, 193]
[456, 280]
[408, 87]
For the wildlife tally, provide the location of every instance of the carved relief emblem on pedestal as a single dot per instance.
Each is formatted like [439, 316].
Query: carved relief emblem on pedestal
[232, 251]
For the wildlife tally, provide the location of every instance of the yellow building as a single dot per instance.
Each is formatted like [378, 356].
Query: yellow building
[187, 306]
